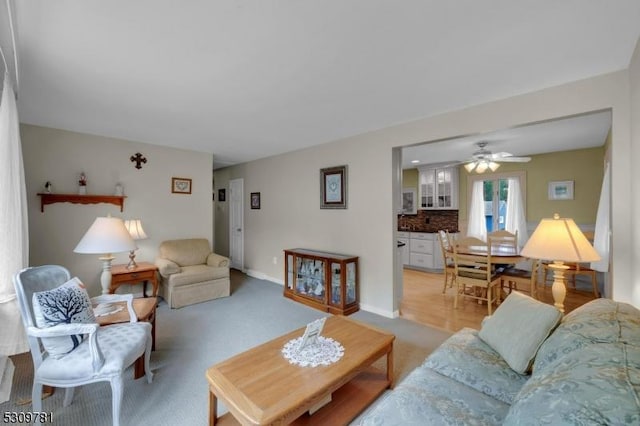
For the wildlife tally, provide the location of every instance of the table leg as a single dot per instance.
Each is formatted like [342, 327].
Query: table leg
[144, 288]
[213, 408]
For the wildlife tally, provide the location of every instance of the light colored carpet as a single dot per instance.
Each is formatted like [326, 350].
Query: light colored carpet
[191, 339]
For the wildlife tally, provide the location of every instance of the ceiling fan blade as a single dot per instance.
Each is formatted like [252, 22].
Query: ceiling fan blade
[513, 159]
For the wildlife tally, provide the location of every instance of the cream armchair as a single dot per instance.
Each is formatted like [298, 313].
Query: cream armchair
[190, 273]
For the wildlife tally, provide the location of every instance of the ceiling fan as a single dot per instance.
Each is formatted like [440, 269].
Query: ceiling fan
[483, 159]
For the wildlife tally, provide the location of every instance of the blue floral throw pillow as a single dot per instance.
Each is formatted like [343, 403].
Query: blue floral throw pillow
[69, 303]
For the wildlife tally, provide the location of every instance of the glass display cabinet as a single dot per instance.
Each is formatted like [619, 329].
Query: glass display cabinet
[325, 281]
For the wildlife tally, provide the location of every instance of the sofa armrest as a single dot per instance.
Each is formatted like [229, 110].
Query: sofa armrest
[217, 260]
[167, 267]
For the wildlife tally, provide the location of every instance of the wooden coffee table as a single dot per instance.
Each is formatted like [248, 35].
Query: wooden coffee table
[145, 309]
[261, 387]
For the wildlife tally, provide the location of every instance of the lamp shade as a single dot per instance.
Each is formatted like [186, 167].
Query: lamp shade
[106, 235]
[559, 239]
[134, 226]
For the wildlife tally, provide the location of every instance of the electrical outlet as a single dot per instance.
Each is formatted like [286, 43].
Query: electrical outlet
[275, 260]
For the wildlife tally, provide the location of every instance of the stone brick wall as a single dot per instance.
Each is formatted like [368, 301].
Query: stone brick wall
[429, 221]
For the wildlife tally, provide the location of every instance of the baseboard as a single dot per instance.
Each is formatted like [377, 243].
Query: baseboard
[262, 276]
[381, 312]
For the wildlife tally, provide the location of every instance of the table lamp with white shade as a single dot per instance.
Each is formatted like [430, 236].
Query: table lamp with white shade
[107, 235]
[559, 240]
[134, 226]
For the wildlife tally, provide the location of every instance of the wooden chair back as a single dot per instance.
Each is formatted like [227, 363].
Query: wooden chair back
[503, 237]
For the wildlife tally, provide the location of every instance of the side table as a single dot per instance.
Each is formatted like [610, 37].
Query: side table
[144, 272]
[145, 309]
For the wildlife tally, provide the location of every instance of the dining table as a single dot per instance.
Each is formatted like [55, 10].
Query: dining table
[500, 254]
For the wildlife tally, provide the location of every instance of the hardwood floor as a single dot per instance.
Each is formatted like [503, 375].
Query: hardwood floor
[424, 302]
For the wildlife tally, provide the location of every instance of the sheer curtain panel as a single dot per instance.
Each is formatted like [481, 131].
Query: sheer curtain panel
[14, 246]
[477, 226]
[515, 219]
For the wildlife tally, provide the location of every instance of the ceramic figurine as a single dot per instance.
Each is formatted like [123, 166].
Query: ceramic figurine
[48, 187]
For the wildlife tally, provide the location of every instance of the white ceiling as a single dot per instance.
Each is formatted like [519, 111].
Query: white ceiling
[246, 79]
[583, 131]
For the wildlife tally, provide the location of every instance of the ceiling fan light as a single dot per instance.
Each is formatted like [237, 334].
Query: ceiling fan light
[493, 166]
[482, 167]
[470, 166]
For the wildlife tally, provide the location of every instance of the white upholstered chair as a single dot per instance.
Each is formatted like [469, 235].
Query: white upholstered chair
[102, 356]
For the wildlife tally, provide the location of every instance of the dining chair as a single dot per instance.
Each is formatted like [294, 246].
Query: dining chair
[447, 257]
[503, 237]
[68, 347]
[476, 271]
[517, 279]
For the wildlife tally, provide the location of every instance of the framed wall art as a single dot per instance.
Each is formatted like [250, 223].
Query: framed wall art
[222, 195]
[255, 200]
[333, 187]
[561, 190]
[180, 185]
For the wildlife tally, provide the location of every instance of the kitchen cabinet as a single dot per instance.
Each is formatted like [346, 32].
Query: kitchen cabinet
[438, 188]
[424, 251]
[403, 237]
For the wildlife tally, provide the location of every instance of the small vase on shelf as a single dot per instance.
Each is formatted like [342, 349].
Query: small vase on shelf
[82, 190]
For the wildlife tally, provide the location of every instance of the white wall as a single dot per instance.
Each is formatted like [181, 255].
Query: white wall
[634, 78]
[59, 156]
[291, 217]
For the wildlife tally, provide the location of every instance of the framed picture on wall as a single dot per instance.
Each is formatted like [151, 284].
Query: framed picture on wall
[221, 195]
[561, 190]
[180, 185]
[333, 188]
[255, 200]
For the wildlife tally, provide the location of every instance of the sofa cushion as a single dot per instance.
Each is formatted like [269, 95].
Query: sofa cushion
[601, 320]
[193, 251]
[517, 329]
[465, 358]
[197, 274]
[587, 371]
[425, 397]
[597, 385]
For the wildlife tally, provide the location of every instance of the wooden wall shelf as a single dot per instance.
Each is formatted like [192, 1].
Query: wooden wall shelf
[45, 199]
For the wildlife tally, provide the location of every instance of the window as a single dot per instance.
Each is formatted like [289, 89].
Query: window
[495, 199]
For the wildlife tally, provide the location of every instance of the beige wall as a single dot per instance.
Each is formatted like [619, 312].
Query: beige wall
[584, 166]
[289, 183]
[633, 179]
[59, 156]
[411, 179]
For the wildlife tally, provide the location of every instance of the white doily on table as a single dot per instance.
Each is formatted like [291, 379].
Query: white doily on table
[324, 352]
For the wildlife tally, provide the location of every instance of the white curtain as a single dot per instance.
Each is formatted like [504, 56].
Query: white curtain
[14, 244]
[515, 216]
[601, 234]
[477, 226]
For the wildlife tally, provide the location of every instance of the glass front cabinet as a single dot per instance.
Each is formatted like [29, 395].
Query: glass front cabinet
[325, 281]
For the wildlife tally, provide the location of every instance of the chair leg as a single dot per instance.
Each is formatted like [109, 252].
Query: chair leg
[147, 356]
[455, 299]
[116, 399]
[36, 396]
[446, 276]
[68, 397]
[489, 299]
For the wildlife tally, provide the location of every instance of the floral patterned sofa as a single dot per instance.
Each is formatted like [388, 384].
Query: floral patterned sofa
[587, 371]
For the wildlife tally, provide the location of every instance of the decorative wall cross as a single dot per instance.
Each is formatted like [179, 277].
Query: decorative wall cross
[138, 158]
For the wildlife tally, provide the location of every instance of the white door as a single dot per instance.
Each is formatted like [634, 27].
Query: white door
[236, 223]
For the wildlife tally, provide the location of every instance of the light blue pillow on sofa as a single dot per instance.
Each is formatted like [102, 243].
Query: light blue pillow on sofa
[517, 329]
